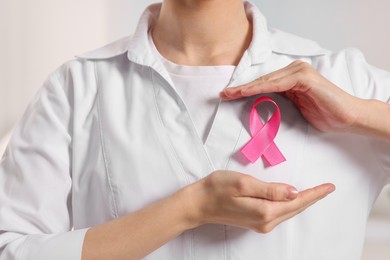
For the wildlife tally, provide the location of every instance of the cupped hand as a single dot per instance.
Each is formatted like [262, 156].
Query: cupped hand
[236, 199]
[322, 103]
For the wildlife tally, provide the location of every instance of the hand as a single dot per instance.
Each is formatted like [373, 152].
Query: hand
[235, 199]
[323, 104]
[223, 197]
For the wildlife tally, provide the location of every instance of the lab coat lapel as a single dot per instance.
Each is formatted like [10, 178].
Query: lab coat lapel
[224, 133]
[221, 143]
[187, 144]
[200, 159]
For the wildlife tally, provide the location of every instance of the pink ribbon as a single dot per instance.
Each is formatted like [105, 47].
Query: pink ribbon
[263, 135]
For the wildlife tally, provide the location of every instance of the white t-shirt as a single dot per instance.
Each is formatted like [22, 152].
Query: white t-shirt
[108, 135]
[199, 87]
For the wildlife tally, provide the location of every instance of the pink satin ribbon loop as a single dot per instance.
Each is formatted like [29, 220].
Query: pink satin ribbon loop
[263, 135]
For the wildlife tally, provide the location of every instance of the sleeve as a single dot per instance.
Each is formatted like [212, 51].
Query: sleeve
[36, 184]
[370, 82]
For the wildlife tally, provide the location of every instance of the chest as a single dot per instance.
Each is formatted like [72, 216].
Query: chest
[138, 144]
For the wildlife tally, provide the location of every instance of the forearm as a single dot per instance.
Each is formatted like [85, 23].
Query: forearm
[223, 197]
[140, 233]
[373, 119]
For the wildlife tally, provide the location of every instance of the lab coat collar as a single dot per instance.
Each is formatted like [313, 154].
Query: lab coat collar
[264, 42]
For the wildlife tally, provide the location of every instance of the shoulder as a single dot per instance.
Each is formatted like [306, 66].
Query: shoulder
[290, 44]
[293, 45]
[83, 65]
[108, 51]
[349, 67]
[285, 43]
[347, 56]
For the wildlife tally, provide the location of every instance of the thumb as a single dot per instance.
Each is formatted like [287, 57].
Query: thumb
[270, 191]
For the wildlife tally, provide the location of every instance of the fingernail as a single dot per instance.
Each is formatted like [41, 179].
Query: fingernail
[226, 91]
[222, 94]
[292, 193]
[331, 189]
[230, 93]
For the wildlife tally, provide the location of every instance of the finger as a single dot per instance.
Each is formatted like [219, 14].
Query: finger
[279, 85]
[223, 96]
[310, 196]
[252, 187]
[305, 199]
[230, 94]
[236, 92]
[291, 69]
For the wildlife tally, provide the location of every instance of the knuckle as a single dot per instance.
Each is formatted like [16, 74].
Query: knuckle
[266, 213]
[276, 84]
[296, 63]
[242, 184]
[264, 229]
[271, 192]
[211, 180]
[265, 78]
[305, 68]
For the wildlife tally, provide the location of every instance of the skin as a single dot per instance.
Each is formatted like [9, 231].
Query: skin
[229, 198]
[322, 103]
[193, 32]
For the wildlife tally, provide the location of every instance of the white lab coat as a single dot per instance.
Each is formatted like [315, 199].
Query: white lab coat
[108, 134]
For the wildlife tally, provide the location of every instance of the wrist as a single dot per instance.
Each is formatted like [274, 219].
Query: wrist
[372, 119]
[189, 203]
[359, 124]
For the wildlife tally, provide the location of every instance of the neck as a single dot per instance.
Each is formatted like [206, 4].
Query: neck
[202, 32]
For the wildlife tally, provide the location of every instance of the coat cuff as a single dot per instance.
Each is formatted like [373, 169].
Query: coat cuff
[65, 246]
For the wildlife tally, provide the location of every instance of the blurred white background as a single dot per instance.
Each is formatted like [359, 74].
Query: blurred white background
[36, 36]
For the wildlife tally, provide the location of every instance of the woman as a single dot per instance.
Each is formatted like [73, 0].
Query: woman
[118, 147]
